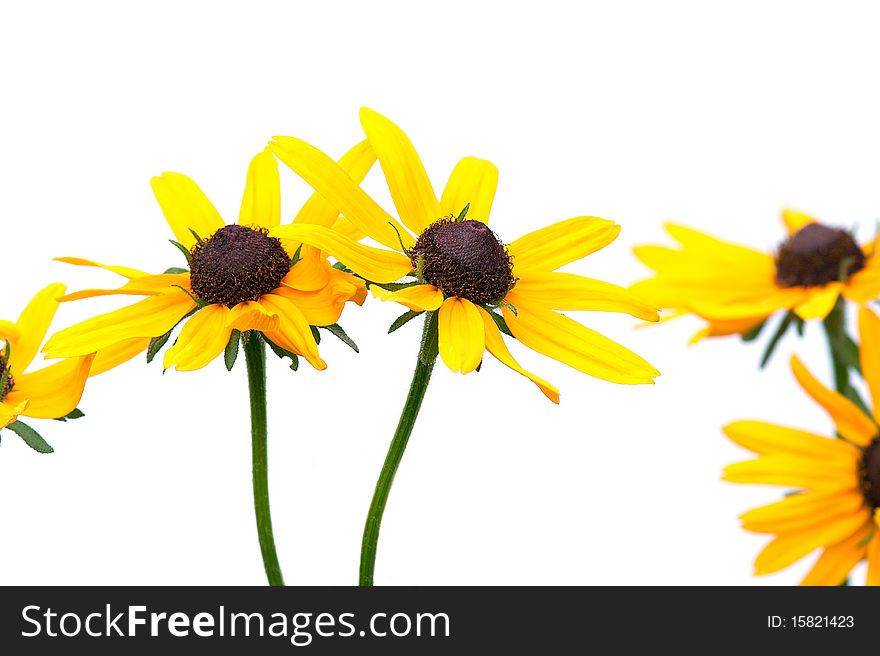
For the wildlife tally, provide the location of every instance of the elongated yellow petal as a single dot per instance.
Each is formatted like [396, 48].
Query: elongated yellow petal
[837, 560]
[203, 338]
[564, 339]
[9, 413]
[375, 264]
[144, 286]
[819, 302]
[864, 286]
[869, 353]
[549, 248]
[126, 272]
[496, 346]
[793, 471]
[418, 297]
[261, 203]
[53, 391]
[724, 327]
[407, 180]
[9, 331]
[814, 513]
[252, 315]
[461, 337]
[346, 228]
[566, 291]
[185, 208]
[293, 333]
[765, 438]
[334, 184]
[794, 220]
[113, 356]
[873, 554]
[850, 421]
[473, 182]
[152, 317]
[33, 324]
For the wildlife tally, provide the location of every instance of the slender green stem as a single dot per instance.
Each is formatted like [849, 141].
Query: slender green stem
[255, 356]
[418, 387]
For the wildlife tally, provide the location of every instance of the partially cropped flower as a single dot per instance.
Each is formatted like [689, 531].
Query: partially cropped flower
[835, 506]
[456, 265]
[238, 278]
[735, 288]
[52, 392]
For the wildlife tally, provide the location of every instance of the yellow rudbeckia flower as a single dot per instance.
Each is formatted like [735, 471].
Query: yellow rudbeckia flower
[836, 505]
[461, 269]
[49, 393]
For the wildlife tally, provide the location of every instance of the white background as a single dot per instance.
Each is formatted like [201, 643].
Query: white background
[712, 115]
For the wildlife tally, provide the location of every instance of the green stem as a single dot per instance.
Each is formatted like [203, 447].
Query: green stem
[255, 357]
[418, 387]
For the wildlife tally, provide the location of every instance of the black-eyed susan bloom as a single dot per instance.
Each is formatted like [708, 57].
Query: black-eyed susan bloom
[241, 287]
[52, 392]
[835, 506]
[446, 262]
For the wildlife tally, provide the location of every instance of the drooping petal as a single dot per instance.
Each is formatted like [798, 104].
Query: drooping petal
[310, 273]
[203, 338]
[261, 203]
[837, 560]
[794, 220]
[864, 285]
[324, 306]
[418, 297]
[564, 339]
[473, 181]
[185, 208]
[144, 286]
[252, 315]
[566, 291]
[869, 353]
[549, 248]
[496, 346]
[334, 184]
[819, 302]
[113, 356]
[407, 179]
[124, 271]
[293, 332]
[850, 421]
[152, 317]
[9, 413]
[33, 324]
[375, 264]
[764, 438]
[53, 391]
[461, 336]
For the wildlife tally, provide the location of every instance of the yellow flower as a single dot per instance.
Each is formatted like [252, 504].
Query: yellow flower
[736, 288]
[836, 507]
[461, 269]
[239, 278]
[49, 393]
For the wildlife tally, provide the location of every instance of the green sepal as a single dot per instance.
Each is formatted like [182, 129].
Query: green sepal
[316, 334]
[397, 286]
[336, 330]
[230, 353]
[500, 322]
[176, 270]
[752, 334]
[157, 343]
[183, 249]
[777, 336]
[339, 266]
[478, 366]
[799, 325]
[399, 238]
[512, 308]
[195, 299]
[463, 213]
[282, 353]
[403, 319]
[296, 256]
[76, 413]
[195, 234]
[31, 437]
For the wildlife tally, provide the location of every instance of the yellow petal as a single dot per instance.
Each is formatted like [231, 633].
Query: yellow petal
[793, 471]
[765, 438]
[864, 286]
[33, 324]
[473, 181]
[346, 228]
[252, 315]
[417, 298]
[496, 346]
[869, 333]
[794, 220]
[799, 511]
[144, 286]
[566, 291]
[203, 337]
[461, 337]
[310, 273]
[407, 180]
[185, 208]
[850, 421]
[375, 264]
[9, 413]
[334, 184]
[549, 248]
[324, 306]
[564, 339]
[9, 331]
[261, 203]
[126, 272]
[873, 555]
[152, 317]
[723, 328]
[819, 302]
[294, 332]
[113, 356]
[837, 560]
[54, 391]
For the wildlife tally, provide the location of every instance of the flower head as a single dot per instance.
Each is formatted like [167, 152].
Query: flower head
[453, 263]
[239, 278]
[835, 506]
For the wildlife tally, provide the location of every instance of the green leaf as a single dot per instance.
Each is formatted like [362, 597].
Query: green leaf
[183, 249]
[231, 351]
[316, 334]
[752, 335]
[283, 353]
[403, 319]
[463, 213]
[76, 413]
[774, 341]
[156, 345]
[176, 270]
[848, 353]
[336, 330]
[799, 325]
[296, 256]
[31, 437]
[339, 266]
[501, 323]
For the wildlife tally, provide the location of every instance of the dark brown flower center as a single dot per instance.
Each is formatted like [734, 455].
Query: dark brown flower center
[870, 473]
[6, 380]
[816, 255]
[237, 264]
[464, 259]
